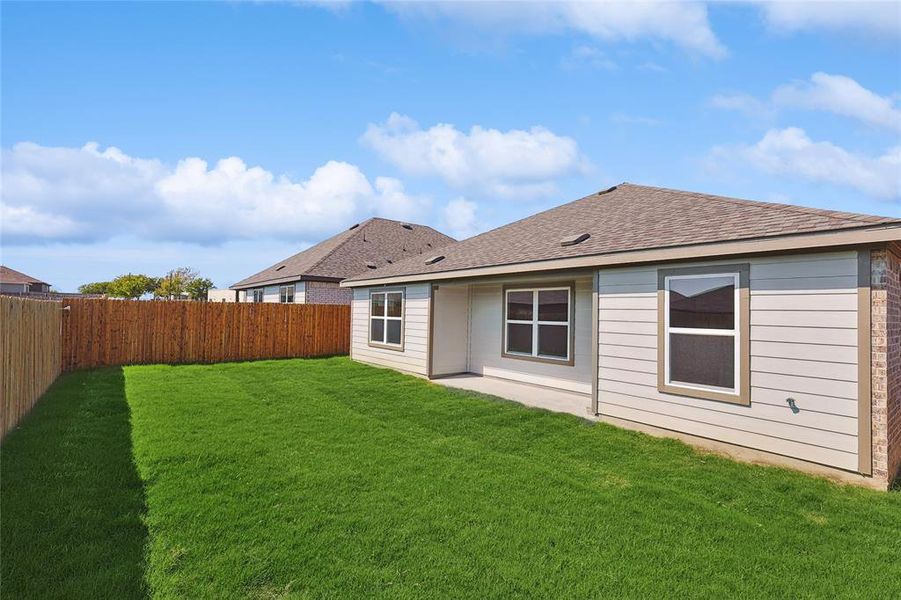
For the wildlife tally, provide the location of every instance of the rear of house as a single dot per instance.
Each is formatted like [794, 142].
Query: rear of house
[765, 326]
[313, 275]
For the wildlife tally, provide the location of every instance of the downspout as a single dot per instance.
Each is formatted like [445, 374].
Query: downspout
[594, 408]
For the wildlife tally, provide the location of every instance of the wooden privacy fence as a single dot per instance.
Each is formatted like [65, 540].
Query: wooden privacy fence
[40, 338]
[29, 355]
[113, 332]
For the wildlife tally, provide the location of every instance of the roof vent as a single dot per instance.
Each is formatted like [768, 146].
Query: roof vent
[390, 262]
[280, 267]
[407, 226]
[354, 226]
[574, 239]
[608, 190]
[370, 265]
[434, 259]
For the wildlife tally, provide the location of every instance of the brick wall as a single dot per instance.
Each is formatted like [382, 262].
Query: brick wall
[886, 361]
[327, 292]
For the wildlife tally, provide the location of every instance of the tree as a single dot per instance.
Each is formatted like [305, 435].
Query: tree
[198, 287]
[132, 286]
[96, 287]
[174, 284]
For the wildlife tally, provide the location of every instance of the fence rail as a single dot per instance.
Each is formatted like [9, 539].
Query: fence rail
[41, 338]
[29, 355]
[110, 332]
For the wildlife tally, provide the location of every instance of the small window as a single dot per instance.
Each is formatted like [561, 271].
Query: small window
[538, 323]
[257, 295]
[286, 294]
[703, 333]
[386, 315]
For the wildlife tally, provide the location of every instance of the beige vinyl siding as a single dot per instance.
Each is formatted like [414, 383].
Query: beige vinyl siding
[803, 346]
[485, 335]
[414, 356]
[450, 345]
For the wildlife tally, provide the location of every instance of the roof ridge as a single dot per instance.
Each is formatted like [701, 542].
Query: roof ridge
[840, 214]
[359, 229]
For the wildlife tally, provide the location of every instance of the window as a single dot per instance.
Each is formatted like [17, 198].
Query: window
[386, 320]
[257, 295]
[703, 333]
[538, 323]
[286, 294]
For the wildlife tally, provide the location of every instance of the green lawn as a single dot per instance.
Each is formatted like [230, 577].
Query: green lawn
[325, 478]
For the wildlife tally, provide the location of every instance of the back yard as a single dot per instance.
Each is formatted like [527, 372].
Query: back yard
[312, 478]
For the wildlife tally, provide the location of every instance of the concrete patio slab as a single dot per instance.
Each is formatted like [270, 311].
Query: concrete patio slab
[524, 393]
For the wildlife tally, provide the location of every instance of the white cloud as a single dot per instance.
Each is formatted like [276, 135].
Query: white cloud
[85, 194]
[584, 56]
[791, 152]
[843, 96]
[743, 103]
[683, 24]
[514, 162]
[460, 218]
[882, 18]
[836, 94]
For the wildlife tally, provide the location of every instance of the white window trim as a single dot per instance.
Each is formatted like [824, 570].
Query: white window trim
[262, 294]
[283, 293]
[384, 343]
[735, 332]
[535, 322]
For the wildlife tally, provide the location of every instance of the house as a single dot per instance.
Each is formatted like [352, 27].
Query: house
[312, 276]
[222, 295]
[765, 326]
[15, 282]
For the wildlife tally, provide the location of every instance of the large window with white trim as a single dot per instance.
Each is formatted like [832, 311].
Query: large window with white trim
[701, 337]
[386, 318]
[538, 323]
[258, 295]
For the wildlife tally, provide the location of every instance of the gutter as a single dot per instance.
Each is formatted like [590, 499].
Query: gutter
[287, 279]
[807, 241]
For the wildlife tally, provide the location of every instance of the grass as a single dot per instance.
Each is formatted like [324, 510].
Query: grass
[326, 478]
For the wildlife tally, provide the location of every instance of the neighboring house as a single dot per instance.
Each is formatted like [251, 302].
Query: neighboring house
[15, 282]
[312, 276]
[222, 295]
[762, 325]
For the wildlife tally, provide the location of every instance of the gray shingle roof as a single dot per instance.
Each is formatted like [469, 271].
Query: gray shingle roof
[629, 217]
[375, 241]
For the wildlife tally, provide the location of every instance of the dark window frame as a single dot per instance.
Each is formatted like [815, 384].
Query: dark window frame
[385, 318]
[536, 287]
[742, 331]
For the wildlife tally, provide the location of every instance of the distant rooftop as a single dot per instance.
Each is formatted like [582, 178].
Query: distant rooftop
[8, 275]
[365, 246]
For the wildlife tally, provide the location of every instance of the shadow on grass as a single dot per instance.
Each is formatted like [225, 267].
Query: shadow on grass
[71, 500]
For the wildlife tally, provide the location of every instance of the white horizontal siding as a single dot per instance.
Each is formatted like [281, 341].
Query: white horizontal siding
[486, 331]
[803, 347]
[414, 356]
[271, 294]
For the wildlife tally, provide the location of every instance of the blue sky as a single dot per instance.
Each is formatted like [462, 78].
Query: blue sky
[465, 116]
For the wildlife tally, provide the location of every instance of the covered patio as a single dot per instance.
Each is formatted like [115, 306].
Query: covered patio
[525, 393]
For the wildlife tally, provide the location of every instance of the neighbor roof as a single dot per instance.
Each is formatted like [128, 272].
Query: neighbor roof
[376, 241]
[8, 275]
[627, 218]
